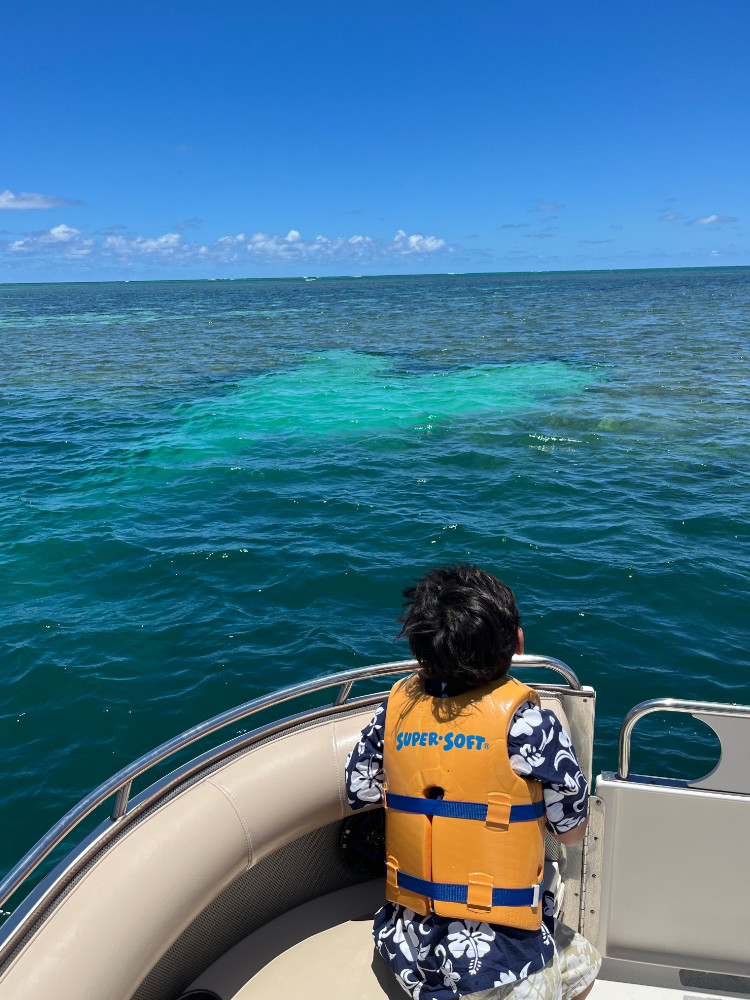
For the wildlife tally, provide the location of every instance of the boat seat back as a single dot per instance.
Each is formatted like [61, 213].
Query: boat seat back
[675, 882]
[107, 932]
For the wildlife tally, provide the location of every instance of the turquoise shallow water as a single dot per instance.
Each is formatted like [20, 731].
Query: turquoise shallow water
[211, 489]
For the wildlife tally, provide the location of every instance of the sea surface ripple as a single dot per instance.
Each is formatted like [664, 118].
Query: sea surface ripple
[213, 489]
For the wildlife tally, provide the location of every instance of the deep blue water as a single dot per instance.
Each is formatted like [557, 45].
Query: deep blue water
[211, 489]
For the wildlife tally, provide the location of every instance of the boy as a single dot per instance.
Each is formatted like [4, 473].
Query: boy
[472, 770]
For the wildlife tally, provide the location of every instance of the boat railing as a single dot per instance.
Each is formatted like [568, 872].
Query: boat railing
[120, 783]
[703, 710]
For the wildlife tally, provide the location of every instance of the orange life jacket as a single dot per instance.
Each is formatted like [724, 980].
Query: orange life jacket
[464, 833]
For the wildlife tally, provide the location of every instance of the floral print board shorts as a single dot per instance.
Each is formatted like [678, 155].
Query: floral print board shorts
[574, 967]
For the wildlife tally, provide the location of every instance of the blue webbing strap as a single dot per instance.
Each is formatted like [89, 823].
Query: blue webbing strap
[459, 810]
[450, 892]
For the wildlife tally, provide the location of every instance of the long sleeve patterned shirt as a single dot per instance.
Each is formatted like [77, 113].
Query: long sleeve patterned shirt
[436, 958]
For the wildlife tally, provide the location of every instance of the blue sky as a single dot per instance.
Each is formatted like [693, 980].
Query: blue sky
[230, 140]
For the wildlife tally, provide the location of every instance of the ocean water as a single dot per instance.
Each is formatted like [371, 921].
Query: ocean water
[213, 489]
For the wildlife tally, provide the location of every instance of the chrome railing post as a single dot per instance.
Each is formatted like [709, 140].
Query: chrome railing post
[530, 660]
[344, 692]
[121, 801]
[667, 705]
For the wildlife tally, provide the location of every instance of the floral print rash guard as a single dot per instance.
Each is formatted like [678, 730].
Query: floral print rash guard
[436, 958]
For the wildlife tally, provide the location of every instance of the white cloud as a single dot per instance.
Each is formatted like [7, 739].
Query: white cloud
[401, 243]
[357, 247]
[671, 217]
[61, 234]
[61, 240]
[708, 220]
[79, 250]
[165, 245]
[548, 206]
[29, 200]
[261, 247]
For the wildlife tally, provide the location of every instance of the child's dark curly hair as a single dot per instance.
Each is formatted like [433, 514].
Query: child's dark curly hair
[462, 625]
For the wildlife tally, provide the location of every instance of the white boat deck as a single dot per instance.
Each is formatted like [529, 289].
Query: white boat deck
[608, 990]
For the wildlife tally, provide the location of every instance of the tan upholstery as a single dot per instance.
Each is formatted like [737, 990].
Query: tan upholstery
[127, 909]
[320, 944]
[323, 948]
[111, 928]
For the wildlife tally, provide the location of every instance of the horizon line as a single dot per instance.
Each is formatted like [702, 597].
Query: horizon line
[425, 274]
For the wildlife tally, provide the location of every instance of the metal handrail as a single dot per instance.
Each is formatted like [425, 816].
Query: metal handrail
[120, 783]
[668, 705]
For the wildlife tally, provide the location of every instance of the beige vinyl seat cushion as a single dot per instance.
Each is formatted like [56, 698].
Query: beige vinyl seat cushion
[131, 904]
[323, 948]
